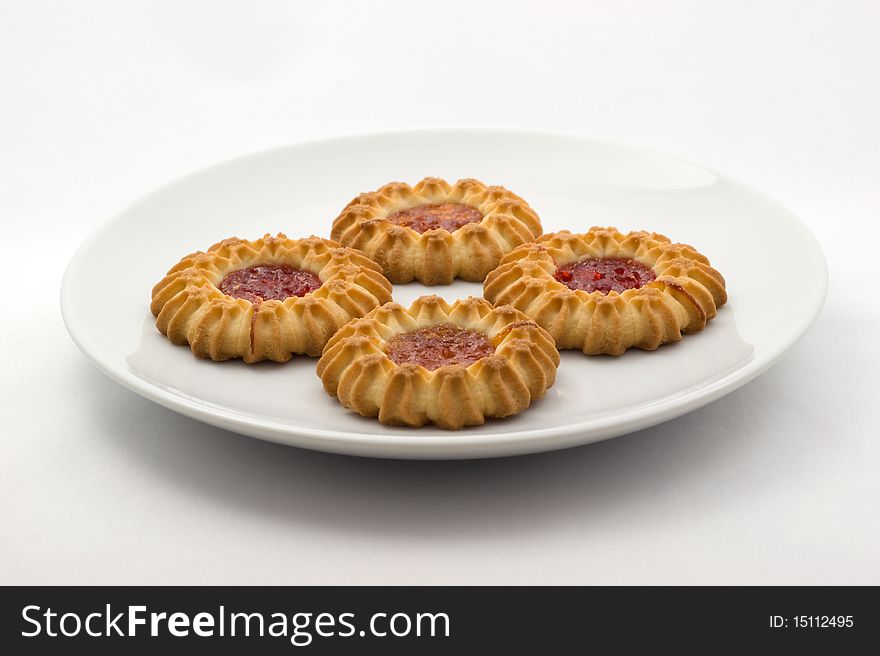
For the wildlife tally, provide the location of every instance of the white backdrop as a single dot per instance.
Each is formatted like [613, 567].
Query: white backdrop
[102, 101]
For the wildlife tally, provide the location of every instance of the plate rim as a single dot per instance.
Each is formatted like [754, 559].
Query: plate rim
[464, 444]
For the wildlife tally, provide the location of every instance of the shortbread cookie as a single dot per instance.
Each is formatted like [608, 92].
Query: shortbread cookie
[435, 232]
[266, 299]
[605, 292]
[450, 365]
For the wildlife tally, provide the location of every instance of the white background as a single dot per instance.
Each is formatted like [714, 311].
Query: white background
[102, 101]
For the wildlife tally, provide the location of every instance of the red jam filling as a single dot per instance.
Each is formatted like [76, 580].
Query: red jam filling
[271, 282]
[450, 216]
[439, 346]
[605, 274]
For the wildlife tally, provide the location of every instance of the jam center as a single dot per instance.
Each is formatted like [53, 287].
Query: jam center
[438, 346]
[271, 282]
[450, 216]
[605, 274]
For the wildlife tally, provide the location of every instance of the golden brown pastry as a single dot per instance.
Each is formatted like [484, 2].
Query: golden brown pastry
[265, 299]
[450, 365]
[605, 292]
[435, 232]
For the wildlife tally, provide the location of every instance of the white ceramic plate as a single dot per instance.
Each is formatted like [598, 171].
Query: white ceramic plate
[571, 182]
